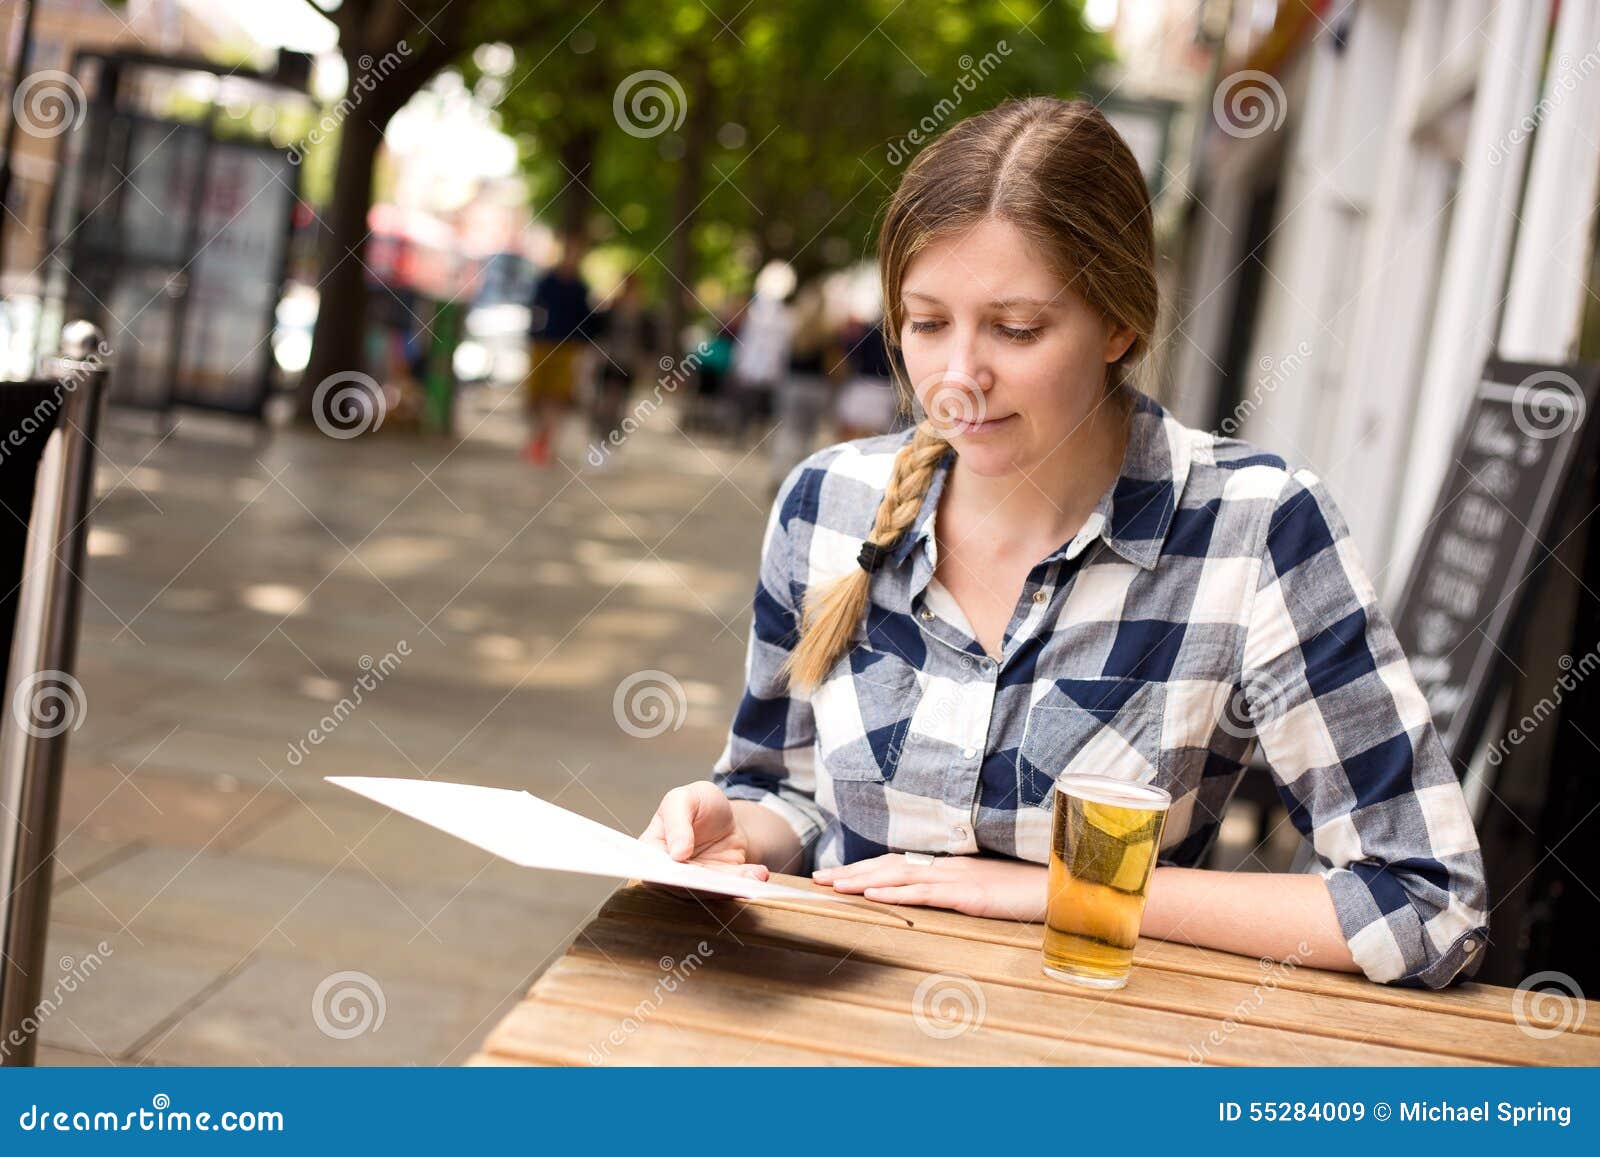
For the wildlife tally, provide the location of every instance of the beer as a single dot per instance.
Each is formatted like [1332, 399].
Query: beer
[1103, 845]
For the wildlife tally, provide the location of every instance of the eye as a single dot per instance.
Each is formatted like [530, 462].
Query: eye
[1020, 336]
[925, 326]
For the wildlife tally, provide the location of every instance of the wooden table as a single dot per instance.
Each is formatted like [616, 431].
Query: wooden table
[660, 978]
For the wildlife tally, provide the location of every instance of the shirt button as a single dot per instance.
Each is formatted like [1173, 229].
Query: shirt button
[926, 614]
[1470, 947]
[988, 666]
[1039, 596]
[969, 753]
[959, 835]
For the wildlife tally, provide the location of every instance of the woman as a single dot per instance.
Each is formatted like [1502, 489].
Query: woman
[1052, 574]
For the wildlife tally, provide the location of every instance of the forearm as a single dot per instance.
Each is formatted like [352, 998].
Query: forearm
[1263, 914]
[768, 838]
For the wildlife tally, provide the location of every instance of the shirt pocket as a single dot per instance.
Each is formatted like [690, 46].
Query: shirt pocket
[1110, 727]
[863, 713]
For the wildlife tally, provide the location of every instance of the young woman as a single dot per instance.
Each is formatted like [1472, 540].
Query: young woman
[1052, 574]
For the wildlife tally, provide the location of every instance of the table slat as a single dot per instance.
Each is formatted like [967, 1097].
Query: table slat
[543, 1032]
[1067, 1019]
[1319, 1014]
[750, 1015]
[1469, 999]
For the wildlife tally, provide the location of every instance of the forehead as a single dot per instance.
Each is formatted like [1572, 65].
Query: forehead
[991, 261]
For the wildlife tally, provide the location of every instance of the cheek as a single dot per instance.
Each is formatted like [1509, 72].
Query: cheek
[922, 364]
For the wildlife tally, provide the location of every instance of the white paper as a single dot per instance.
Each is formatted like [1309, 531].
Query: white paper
[535, 833]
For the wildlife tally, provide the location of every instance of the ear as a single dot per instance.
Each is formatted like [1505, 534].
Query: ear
[1118, 339]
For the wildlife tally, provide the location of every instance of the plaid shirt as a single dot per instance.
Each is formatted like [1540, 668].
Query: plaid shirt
[1211, 602]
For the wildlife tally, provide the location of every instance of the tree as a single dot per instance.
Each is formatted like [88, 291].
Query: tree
[788, 121]
[391, 48]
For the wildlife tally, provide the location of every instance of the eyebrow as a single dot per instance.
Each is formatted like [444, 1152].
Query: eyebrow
[1004, 303]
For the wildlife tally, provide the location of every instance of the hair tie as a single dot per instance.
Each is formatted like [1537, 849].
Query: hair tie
[872, 555]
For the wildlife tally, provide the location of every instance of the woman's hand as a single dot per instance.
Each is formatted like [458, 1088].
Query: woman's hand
[976, 885]
[696, 823]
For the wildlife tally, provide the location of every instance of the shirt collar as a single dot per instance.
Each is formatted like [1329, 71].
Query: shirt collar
[1135, 512]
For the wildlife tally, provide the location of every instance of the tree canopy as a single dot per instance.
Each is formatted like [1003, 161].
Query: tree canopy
[705, 137]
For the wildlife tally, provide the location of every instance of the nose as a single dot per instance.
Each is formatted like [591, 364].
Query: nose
[967, 366]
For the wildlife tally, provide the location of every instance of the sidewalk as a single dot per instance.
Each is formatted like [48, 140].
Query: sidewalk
[238, 590]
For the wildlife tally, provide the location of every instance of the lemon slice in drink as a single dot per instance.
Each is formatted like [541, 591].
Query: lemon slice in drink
[1118, 822]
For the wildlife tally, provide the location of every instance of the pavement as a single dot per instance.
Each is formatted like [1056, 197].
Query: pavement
[265, 610]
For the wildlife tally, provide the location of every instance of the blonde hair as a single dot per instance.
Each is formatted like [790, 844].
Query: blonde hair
[1058, 172]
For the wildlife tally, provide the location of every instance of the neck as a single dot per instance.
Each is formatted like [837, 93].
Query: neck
[1042, 507]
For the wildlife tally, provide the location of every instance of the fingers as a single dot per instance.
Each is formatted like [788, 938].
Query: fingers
[748, 871]
[882, 872]
[844, 871]
[752, 871]
[677, 816]
[927, 895]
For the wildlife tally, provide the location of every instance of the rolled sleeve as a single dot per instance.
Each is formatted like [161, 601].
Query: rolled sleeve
[1355, 754]
[769, 757]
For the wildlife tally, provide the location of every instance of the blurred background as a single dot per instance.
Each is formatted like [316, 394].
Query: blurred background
[454, 349]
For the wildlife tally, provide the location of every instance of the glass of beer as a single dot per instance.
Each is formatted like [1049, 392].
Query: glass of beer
[1103, 845]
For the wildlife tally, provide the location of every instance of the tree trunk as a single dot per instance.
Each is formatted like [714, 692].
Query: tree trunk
[577, 157]
[337, 342]
[687, 196]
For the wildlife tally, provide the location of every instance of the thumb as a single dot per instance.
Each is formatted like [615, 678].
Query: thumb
[678, 814]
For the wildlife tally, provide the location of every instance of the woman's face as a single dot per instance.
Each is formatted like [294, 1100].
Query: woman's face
[1005, 357]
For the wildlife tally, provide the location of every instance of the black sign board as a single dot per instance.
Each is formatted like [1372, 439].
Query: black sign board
[1489, 532]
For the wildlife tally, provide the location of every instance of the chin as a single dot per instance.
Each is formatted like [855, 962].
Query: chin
[987, 459]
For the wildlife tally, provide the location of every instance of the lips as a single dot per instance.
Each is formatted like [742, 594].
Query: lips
[967, 428]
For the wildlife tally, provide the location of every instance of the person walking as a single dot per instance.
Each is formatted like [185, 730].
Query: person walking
[627, 340]
[560, 321]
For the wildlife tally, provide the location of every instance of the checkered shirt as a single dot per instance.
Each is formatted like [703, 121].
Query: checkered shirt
[1213, 600]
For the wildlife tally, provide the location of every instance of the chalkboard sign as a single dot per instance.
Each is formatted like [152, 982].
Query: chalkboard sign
[1489, 531]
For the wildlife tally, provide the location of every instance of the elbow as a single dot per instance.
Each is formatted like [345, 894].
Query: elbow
[1423, 928]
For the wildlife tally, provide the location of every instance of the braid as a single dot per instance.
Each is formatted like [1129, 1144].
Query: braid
[829, 617]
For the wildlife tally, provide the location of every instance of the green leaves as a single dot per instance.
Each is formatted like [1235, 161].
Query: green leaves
[793, 119]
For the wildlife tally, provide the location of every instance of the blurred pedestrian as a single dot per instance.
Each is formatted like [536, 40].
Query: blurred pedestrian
[713, 397]
[867, 404]
[627, 341]
[803, 393]
[761, 355]
[559, 323]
